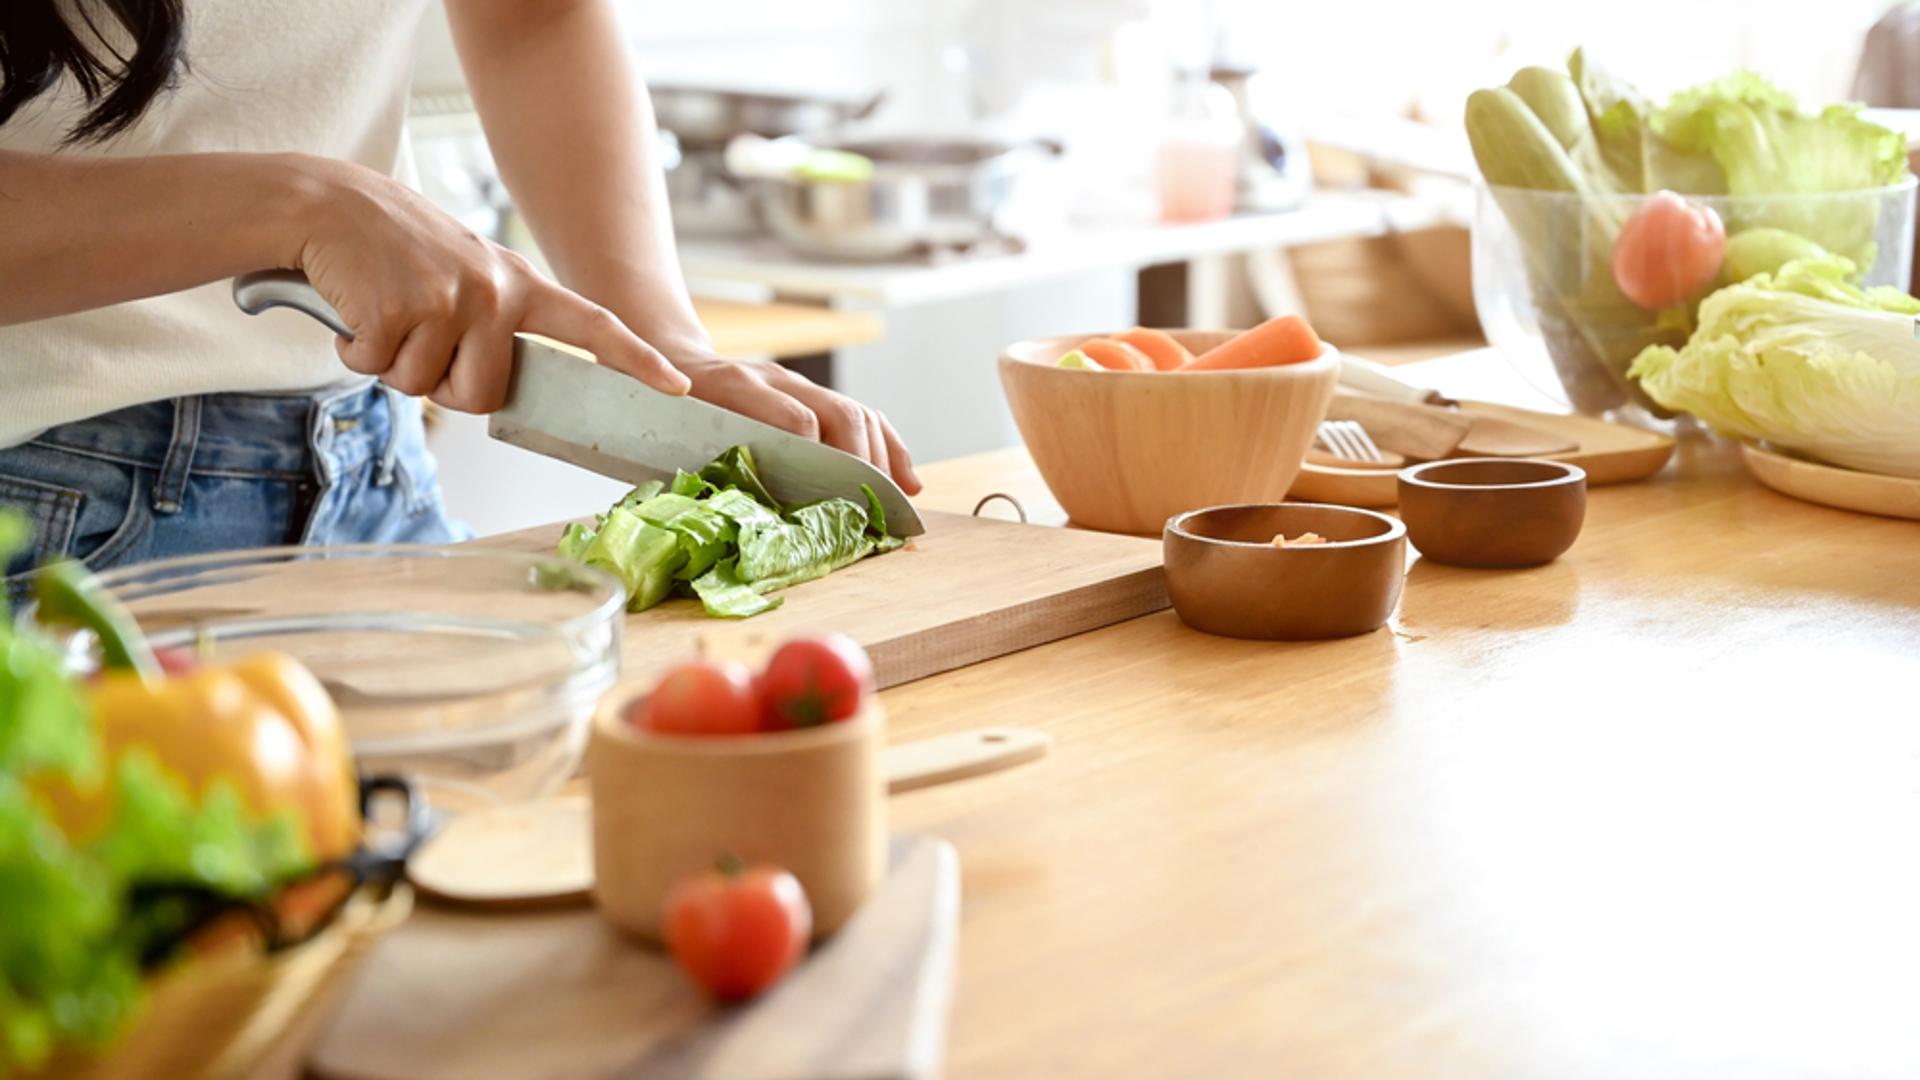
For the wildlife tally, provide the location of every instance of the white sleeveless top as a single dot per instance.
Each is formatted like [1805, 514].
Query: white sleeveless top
[325, 77]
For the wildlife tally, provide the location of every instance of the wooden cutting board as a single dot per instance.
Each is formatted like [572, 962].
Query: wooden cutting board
[1611, 453]
[454, 995]
[968, 590]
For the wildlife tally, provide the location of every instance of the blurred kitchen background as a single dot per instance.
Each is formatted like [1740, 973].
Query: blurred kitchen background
[1052, 166]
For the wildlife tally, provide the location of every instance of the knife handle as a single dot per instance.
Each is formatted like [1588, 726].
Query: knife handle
[262, 289]
[1378, 380]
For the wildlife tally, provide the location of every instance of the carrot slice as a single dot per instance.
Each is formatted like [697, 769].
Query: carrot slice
[1286, 339]
[1115, 355]
[1160, 347]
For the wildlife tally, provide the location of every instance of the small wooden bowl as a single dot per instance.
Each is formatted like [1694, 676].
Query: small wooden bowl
[1493, 512]
[665, 806]
[1123, 451]
[1226, 576]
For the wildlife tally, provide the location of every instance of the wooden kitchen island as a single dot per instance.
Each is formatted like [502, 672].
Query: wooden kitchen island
[1650, 810]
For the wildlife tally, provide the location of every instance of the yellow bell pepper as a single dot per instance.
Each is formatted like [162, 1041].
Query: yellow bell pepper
[263, 724]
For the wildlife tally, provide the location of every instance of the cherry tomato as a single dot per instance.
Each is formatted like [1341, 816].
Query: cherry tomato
[812, 681]
[701, 697]
[178, 660]
[736, 930]
[1668, 252]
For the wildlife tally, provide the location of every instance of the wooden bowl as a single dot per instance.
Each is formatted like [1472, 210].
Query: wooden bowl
[1493, 512]
[1123, 451]
[665, 806]
[1226, 576]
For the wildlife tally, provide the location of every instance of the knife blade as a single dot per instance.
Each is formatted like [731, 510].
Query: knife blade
[563, 405]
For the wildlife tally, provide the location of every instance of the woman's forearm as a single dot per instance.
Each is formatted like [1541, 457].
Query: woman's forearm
[83, 232]
[570, 125]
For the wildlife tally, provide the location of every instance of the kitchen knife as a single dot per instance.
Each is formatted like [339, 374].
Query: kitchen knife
[563, 405]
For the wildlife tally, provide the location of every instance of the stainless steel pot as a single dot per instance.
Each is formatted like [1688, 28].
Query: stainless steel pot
[702, 116]
[924, 194]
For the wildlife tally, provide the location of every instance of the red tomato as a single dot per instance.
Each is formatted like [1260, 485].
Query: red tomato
[701, 697]
[736, 931]
[812, 681]
[1668, 252]
[178, 660]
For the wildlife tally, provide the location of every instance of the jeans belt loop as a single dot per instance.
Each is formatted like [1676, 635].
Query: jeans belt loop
[390, 457]
[171, 486]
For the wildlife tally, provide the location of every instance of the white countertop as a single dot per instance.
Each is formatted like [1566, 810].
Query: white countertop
[1325, 216]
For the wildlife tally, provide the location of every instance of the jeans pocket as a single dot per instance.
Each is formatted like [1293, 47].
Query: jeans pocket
[52, 513]
[78, 507]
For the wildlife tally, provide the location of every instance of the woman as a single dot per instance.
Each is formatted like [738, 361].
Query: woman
[150, 150]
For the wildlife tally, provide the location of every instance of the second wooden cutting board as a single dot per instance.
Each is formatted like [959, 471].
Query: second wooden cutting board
[968, 590]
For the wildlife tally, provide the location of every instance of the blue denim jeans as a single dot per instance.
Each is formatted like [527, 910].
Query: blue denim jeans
[223, 471]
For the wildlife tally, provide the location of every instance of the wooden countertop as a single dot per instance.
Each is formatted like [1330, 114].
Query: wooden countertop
[782, 330]
[1647, 811]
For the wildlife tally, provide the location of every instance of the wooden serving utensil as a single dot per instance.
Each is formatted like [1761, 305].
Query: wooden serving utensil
[1419, 432]
[1494, 436]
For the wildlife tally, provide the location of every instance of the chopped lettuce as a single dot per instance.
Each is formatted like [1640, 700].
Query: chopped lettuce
[725, 596]
[1806, 360]
[643, 556]
[811, 542]
[722, 537]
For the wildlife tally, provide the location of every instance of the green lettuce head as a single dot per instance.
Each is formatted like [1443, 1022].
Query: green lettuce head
[1803, 359]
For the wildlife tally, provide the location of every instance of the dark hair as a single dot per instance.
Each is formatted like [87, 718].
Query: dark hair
[38, 46]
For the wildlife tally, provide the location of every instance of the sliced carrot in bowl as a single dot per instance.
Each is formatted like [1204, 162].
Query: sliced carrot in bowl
[1115, 355]
[1286, 339]
[1160, 347]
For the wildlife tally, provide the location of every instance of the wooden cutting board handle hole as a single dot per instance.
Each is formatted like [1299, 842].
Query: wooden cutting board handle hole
[1003, 497]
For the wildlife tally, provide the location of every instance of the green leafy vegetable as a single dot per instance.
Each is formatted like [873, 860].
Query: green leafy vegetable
[725, 596]
[722, 537]
[1765, 145]
[1804, 359]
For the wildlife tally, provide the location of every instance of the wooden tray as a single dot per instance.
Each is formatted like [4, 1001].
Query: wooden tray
[465, 995]
[1829, 485]
[1611, 453]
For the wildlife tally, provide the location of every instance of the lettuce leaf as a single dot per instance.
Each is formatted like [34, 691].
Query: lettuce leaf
[725, 596]
[734, 469]
[722, 537]
[1624, 149]
[814, 541]
[1806, 360]
[644, 557]
[1766, 146]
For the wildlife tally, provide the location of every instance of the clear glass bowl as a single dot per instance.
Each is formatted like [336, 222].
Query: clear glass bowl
[1543, 278]
[473, 671]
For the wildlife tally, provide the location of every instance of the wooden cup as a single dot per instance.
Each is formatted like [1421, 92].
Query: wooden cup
[665, 806]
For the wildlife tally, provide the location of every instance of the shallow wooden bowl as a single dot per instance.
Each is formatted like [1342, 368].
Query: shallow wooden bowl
[1226, 576]
[1124, 451]
[1493, 512]
[665, 806]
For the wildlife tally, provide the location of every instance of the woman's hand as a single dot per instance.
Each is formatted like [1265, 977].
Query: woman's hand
[791, 402]
[433, 306]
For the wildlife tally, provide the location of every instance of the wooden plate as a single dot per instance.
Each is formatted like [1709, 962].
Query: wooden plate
[1829, 485]
[1611, 453]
